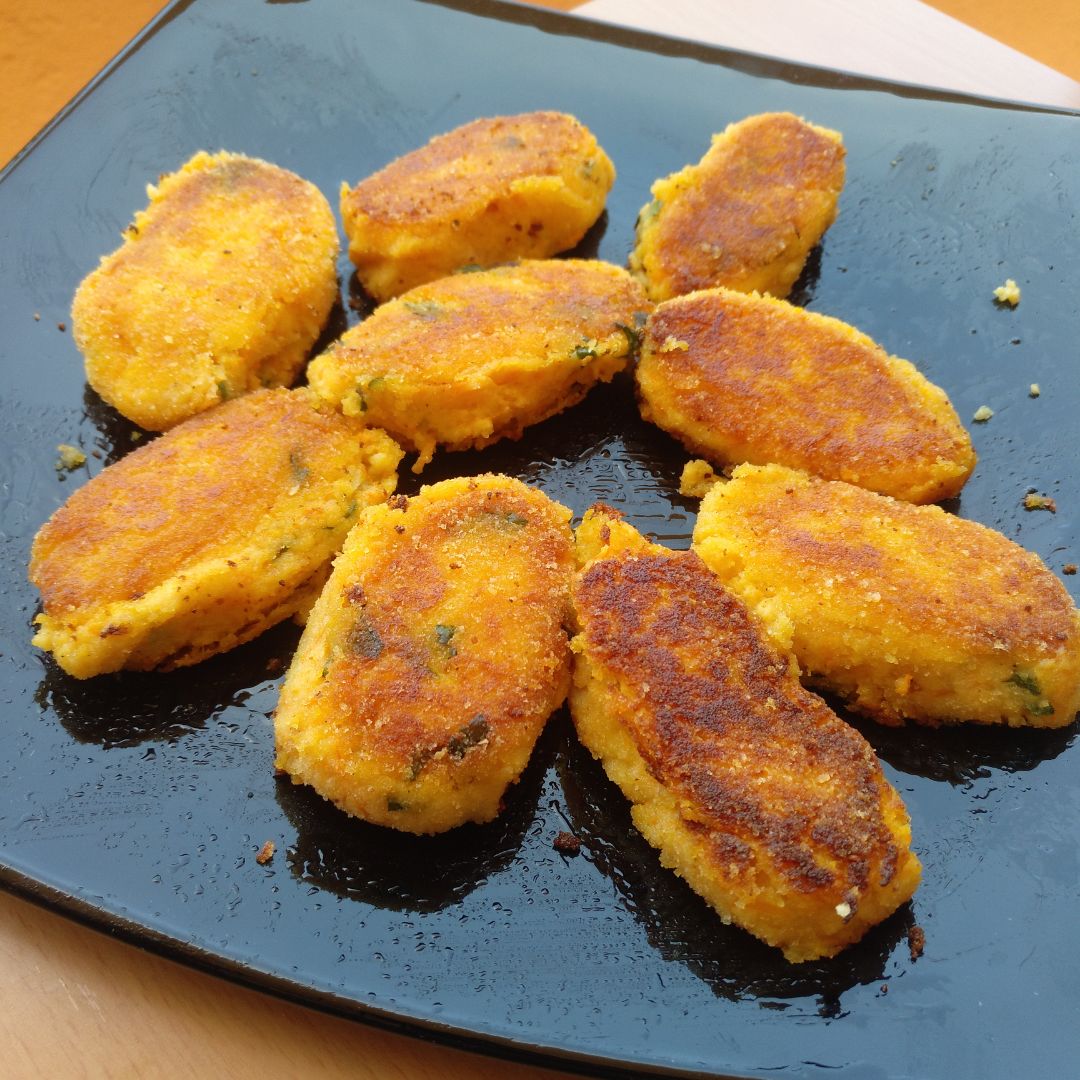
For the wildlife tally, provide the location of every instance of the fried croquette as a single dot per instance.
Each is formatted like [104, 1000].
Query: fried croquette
[906, 611]
[202, 539]
[740, 377]
[221, 286]
[768, 805]
[433, 657]
[747, 215]
[491, 191]
[477, 357]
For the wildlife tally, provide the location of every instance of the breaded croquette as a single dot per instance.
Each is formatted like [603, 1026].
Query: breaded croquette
[202, 539]
[740, 377]
[753, 790]
[221, 287]
[433, 657]
[489, 192]
[906, 611]
[747, 215]
[477, 357]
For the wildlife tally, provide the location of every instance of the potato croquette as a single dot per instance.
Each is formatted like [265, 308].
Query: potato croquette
[202, 539]
[906, 611]
[221, 287]
[741, 377]
[747, 215]
[753, 790]
[478, 357]
[491, 191]
[433, 657]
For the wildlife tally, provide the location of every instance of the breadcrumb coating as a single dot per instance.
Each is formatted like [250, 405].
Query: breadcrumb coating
[760, 380]
[205, 537]
[433, 657]
[747, 215]
[752, 789]
[222, 285]
[494, 190]
[477, 357]
[908, 612]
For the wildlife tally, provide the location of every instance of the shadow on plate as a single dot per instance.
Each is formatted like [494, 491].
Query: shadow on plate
[133, 707]
[683, 928]
[399, 871]
[963, 753]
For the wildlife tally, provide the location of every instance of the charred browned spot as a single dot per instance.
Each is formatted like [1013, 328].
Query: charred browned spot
[758, 763]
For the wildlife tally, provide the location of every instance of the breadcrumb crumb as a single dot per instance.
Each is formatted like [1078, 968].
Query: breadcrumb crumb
[71, 457]
[698, 478]
[982, 414]
[1069, 568]
[673, 344]
[1033, 501]
[266, 853]
[1033, 390]
[1009, 293]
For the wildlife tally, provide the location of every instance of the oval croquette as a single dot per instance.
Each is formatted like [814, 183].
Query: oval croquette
[747, 215]
[753, 790]
[491, 191]
[433, 657]
[221, 286]
[477, 357]
[740, 377]
[906, 611]
[202, 539]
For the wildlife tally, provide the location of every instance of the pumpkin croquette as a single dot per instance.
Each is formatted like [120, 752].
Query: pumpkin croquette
[222, 285]
[433, 657]
[747, 215]
[477, 357]
[739, 377]
[767, 804]
[906, 611]
[489, 192]
[205, 537]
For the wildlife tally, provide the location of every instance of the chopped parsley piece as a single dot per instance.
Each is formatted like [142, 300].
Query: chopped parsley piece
[586, 349]
[1026, 681]
[633, 337]
[444, 635]
[424, 309]
[363, 639]
[300, 472]
[394, 806]
[224, 390]
[1044, 708]
[472, 734]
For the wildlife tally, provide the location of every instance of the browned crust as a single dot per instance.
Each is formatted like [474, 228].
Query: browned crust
[717, 711]
[495, 150]
[756, 196]
[941, 576]
[217, 474]
[470, 322]
[782, 385]
[385, 671]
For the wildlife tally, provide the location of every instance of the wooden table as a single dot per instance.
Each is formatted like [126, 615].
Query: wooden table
[74, 1002]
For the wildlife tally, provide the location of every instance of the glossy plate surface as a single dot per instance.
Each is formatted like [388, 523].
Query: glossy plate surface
[138, 803]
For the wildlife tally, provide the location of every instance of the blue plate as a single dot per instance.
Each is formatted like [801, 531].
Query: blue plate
[137, 803]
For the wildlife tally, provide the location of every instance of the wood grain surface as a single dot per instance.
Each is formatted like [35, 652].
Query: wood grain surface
[77, 1003]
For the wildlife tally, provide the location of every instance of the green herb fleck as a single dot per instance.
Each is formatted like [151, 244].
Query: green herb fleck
[633, 337]
[586, 349]
[300, 472]
[517, 520]
[419, 759]
[1044, 708]
[350, 510]
[224, 390]
[394, 806]
[363, 639]
[472, 734]
[443, 635]
[469, 268]
[424, 309]
[1026, 681]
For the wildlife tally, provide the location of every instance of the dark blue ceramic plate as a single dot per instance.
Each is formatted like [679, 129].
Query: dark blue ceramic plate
[137, 803]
